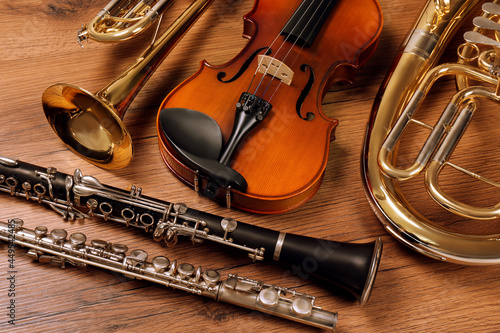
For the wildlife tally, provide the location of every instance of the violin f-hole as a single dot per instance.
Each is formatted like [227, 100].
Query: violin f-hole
[307, 88]
[244, 67]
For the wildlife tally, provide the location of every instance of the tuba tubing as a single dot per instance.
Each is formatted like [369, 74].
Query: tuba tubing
[419, 52]
[350, 266]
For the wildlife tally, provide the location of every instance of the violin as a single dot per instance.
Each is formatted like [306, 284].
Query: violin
[251, 133]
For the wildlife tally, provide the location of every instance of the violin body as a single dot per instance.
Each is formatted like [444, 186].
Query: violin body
[283, 159]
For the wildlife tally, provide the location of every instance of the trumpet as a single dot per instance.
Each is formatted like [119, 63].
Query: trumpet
[91, 124]
[401, 96]
[56, 247]
[121, 20]
[350, 266]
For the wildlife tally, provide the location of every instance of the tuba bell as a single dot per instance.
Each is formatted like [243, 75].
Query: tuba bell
[401, 95]
[91, 124]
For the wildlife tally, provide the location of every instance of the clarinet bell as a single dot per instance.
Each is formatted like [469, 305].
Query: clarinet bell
[350, 266]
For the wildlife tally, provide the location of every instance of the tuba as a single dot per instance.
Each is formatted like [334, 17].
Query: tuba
[401, 95]
[91, 124]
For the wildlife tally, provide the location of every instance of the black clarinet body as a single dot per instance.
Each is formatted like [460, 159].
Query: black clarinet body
[350, 266]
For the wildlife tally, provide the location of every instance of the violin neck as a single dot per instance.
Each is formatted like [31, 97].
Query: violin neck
[306, 22]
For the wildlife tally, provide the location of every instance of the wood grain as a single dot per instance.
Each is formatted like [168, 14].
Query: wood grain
[412, 292]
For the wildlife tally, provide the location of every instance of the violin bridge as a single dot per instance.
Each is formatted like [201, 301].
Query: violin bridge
[276, 68]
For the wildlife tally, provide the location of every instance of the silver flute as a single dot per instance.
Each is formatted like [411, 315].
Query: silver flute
[56, 247]
[350, 266]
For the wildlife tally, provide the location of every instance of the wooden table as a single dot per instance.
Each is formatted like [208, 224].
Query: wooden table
[412, 292]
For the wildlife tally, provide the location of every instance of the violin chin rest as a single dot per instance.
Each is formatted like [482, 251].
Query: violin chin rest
[197, 139]
[192, 131]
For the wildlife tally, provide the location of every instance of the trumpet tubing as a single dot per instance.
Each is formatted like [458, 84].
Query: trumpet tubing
[351, 266]
[403, 92]
[122, 19]
[91, 124]
[56, 247]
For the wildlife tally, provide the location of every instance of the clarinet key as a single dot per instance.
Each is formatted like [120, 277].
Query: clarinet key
[12, 184]
[26, 187]
[92, 204]
[40, 191]
[128, 215]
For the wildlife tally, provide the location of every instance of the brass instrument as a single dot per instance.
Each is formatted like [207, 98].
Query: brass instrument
[91, 124]
[122, 19]
[401, 95]
[56, 247]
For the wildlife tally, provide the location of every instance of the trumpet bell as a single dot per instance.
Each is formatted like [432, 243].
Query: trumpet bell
[88, 125]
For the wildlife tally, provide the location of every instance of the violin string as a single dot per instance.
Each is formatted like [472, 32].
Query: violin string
[270, 47]
[267, 50]
[296, 55]
[302, 32]
[281, 46]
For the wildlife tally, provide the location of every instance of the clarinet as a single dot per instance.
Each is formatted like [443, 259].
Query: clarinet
[350, 266]
[56, 247]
